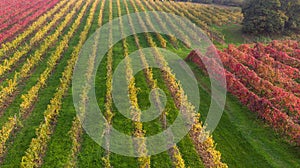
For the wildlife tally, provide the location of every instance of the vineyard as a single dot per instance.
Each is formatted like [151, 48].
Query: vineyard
[40, 44]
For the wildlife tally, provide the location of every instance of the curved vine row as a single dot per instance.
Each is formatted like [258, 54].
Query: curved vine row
[36, 151]
[7, 48]
[141, 147]
[76, 130]
[12, 60]
[31, 62]
[210, 156]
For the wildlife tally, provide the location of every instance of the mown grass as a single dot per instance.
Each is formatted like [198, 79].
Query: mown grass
[24, 86]
[60, 143]
[18, 144]
[242, 138]
[232, 34]
[22, 139]
[91, 153]
[238, 147]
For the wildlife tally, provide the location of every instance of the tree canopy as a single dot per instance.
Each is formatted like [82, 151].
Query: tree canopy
[271, 16]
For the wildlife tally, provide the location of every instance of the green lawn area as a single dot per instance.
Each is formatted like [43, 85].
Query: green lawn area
[243, 139]
[232, 34]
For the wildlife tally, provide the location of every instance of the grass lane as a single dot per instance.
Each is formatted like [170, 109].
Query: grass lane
[242, 138]
[60, 143]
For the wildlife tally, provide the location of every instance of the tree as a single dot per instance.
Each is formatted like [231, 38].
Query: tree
[263, 16]
[271, 16]
[292, 8]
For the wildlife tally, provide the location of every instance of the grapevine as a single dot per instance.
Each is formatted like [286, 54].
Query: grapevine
[36, 150]
[206, 150]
